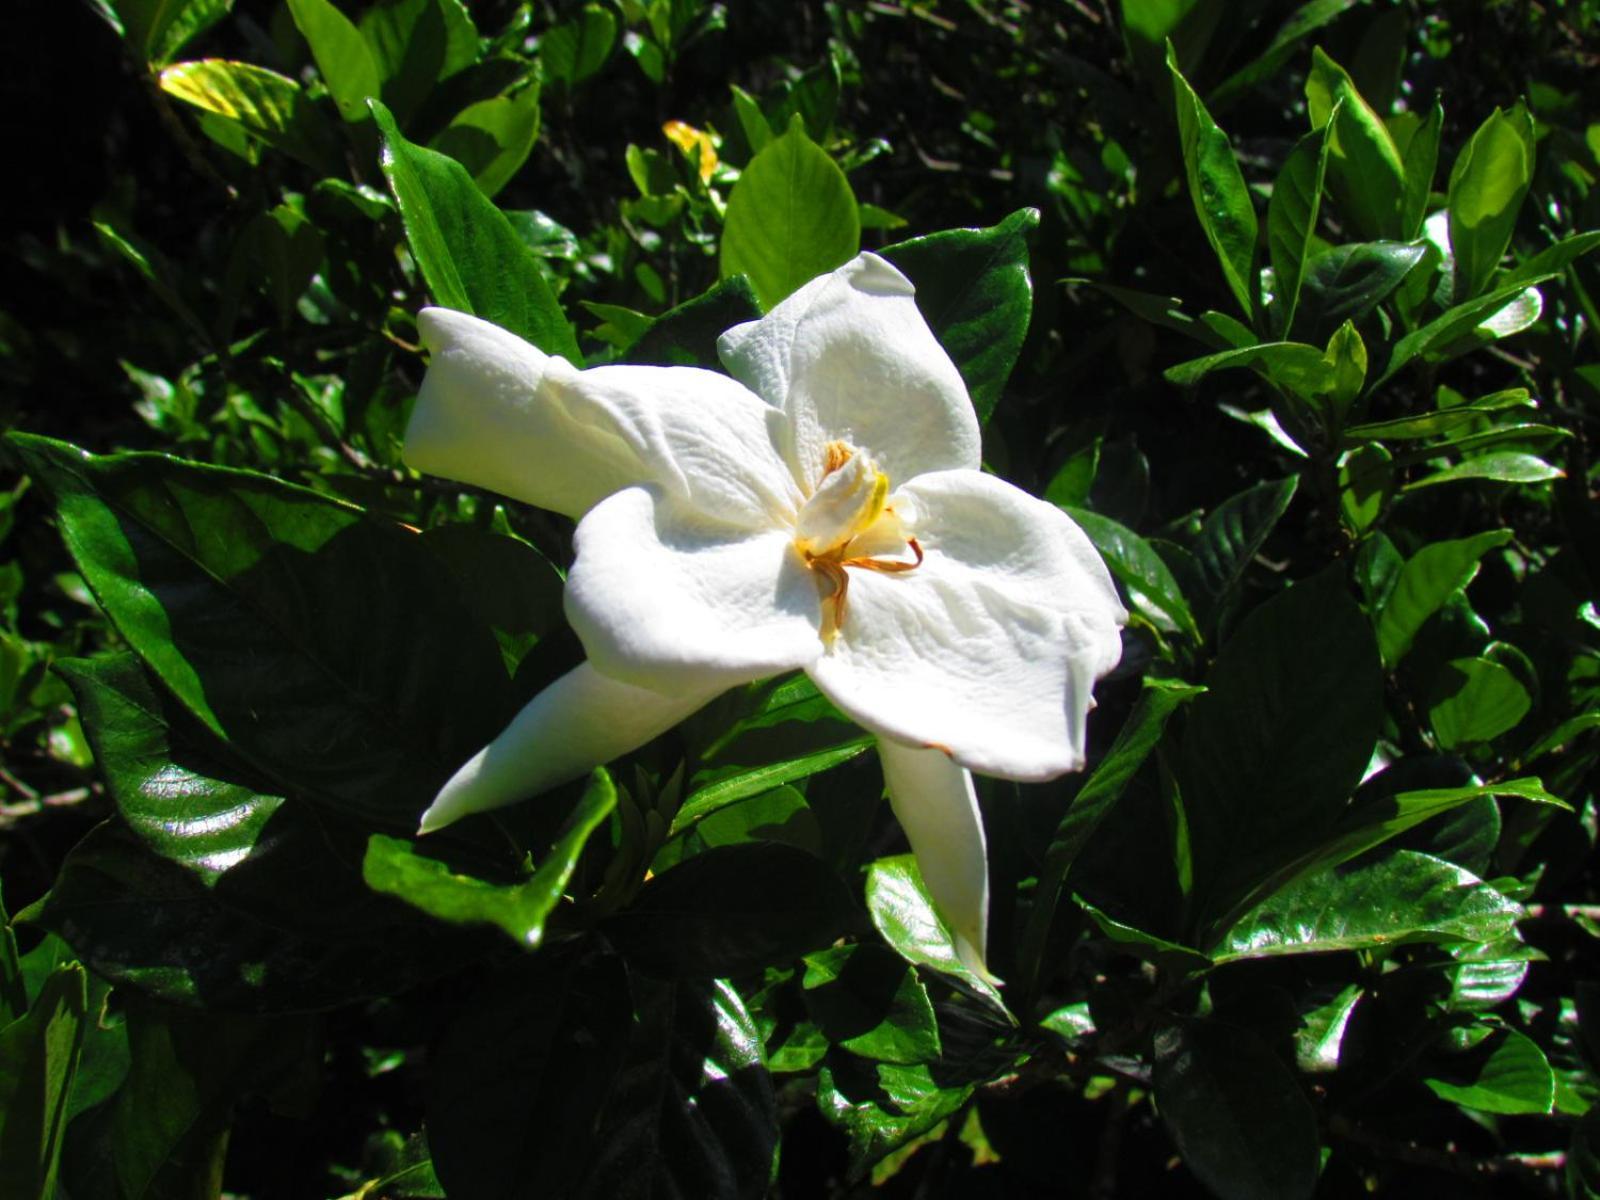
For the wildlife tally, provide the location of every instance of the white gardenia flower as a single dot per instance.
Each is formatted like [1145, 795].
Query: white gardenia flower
[820, 509]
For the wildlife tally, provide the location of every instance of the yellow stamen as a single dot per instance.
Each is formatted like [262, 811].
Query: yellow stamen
[835, 455]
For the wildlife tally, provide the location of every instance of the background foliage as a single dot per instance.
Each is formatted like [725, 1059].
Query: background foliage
[1309, 350]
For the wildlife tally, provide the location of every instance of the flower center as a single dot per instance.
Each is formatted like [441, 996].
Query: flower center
[848, 522]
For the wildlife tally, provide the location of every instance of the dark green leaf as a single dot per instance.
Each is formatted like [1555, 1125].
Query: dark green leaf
[686, 336]
[158, 29]
[399, 868]
[1234, 532]
[733, 909]
[870, 1002]
[791, 217]
[1292, 218]
[1440, 422]
[1174, 958]
[904, 914]
[504, 582]
[342, 55]
[1295, 366]
[1094, 802]
[1366, 485]
[1146, 580]
[1430, 577]
[693, 1113]
[1487, 184]
[186, 1072]
[1240, 1121]
[1505, 1073]
[1403, 897]
[1345, 283]
[469, 253]
[151, 926]
[974, 291]
[1221, 199]
[1276, 745]
[789, 731]
[523, 1075]
[415, 44]
[1554, 259]
[273, 615]
[39, 1055]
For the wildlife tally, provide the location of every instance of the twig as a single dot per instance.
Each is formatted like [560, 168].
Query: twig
[17, 785]
[1453, 1161]
[1569, 912]
[1103, 1184]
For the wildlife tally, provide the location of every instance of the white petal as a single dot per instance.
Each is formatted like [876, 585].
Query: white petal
[497, 412]
[582, 720]
[657, 590]
[935, 803]
[989, 649]
[849, 357]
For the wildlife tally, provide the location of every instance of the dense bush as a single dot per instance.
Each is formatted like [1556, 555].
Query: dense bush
[1290, 306]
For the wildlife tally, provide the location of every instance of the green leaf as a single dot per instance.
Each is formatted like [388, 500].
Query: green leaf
[1401, 898]
[733, 909]
[1146, 580]
[1317, 1041]
[492, 138]
[416, 44]
[974, 291]
[1306, 19]
[39, 1055]
[399, 868]
[574, 50]
[693, 1112]
[1294, 366]
[469, 253]
[263, 103]
[1240, 1121]
[342, 55]
[1345, 283]
[1365, 172]
[1430, 577]
[1487, 184]
[1095, 801]
[870, 1002]
[1440, 422]
[1366, 485]
[523, 1074]
[1505, 466]
[686, 336]
[1221, 199]
[1552, 260]
[1455, 324]
[504, 582]
[149, 925]
[1505, 1073]
[787, 731]
[884, 1106]
[272, 614]
[904, 914]
[1475, 700]
[791, 217]
[1292, 218]
[780, 815]
[158, 29]
[1172, 957]
[1280, 739]
[1421, 156]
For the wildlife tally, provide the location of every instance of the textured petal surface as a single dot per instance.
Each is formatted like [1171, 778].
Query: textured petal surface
[496, 412]
[849, 357]
[990, 648]
[582, 720]
[935, 803]
[657, 590]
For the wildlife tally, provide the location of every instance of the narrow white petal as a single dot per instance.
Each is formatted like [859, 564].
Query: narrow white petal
[990, 648]
[582, 720]
[933, 799]
[657, 590]
[496, 412]
[849, 357]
